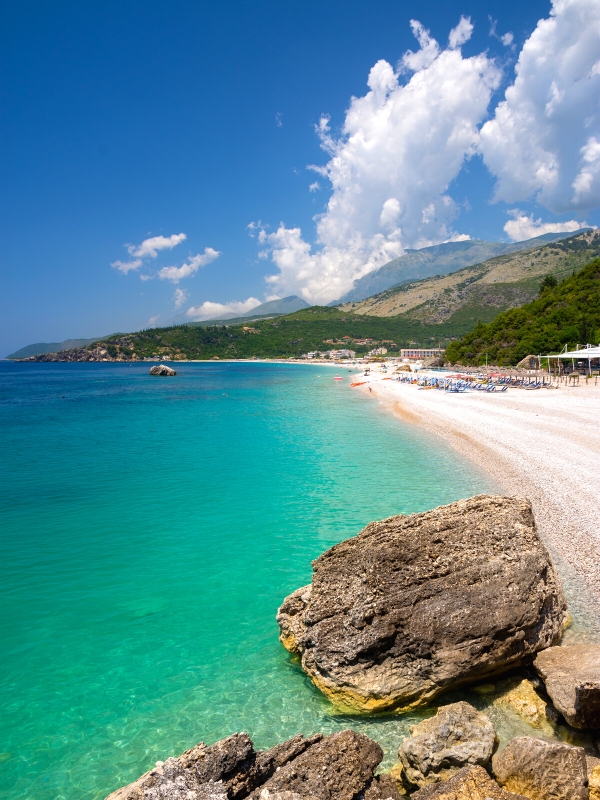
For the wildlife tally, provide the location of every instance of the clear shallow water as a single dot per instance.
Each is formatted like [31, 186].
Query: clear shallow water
[150, 529]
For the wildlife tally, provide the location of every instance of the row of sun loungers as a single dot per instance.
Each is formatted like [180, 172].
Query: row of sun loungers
[460, 384]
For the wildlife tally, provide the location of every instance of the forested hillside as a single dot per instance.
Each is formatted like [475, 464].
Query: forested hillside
[566, 313]
[316, 328]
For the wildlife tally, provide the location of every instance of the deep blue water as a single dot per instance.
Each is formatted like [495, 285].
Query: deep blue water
[150, 529]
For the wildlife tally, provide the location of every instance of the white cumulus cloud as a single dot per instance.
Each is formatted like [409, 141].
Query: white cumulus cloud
[401, 146]
[210, 310]
[523, 227]
[460, 34]
[180, 297]
[127, 266]
[543, 139]
[147, 249]
[193, 264]
[150, 247]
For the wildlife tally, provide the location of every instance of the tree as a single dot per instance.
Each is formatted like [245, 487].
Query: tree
[549, 282]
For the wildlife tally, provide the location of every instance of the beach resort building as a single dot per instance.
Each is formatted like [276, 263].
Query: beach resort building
[417, 353]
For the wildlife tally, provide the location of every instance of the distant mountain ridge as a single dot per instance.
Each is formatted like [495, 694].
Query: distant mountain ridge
[283, 305]
[440, 259]
[480, 292]
[40, 348]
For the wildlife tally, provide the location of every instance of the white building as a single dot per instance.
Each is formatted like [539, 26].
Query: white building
[417, 353]
[343, 353]
[378, 351]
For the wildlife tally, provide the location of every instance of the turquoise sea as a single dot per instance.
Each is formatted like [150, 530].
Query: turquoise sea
[150, 529]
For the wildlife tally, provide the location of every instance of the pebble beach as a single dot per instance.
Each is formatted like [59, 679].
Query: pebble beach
[542, 444]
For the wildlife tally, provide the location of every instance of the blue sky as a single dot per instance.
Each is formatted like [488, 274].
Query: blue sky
[127, 122]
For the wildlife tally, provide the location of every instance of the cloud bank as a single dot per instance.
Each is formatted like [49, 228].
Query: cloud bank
[407, 139]
[401, 146]
[544, 139]
[523, 227]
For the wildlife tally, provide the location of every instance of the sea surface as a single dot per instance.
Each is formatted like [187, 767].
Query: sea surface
[150, 529]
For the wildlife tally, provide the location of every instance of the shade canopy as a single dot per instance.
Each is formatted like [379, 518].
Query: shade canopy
[589, 351]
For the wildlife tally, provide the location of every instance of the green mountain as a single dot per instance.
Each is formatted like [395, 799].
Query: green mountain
[440, 259]
[566, 314]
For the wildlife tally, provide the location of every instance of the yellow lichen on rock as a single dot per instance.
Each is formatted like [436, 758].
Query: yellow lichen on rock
[526, 702]
[594, 783]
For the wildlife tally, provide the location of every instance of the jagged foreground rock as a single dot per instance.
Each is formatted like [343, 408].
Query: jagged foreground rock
[542, 770]
[457, 736]
[415, 605]
[335, 767]
[471, 783]
[572, 678]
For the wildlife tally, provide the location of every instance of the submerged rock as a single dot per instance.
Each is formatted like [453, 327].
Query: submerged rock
[335, 767]
[457, 736]
[415, 605]
[162, 369]
[572, 679]
[471, 783]
[520, 695]
[542, 770]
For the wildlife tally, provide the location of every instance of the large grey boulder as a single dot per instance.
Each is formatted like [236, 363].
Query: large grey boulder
[457, 736]
[471, 783]
[162, 369]
[415, 605]
[542, 770]
[572, 679]
[335, 767]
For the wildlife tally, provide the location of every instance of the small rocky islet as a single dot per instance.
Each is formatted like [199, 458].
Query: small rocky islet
[410, 608]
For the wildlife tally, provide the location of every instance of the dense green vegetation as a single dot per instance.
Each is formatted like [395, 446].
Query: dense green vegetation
[564, 313]
[287, 336]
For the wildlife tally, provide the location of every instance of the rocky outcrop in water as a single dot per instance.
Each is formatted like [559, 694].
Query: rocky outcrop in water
[335, 767]
[162, 369]
[457, 736]
[542, 770]
[415, 605]
[572, 679]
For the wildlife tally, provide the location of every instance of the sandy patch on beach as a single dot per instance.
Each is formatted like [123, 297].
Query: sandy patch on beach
[542, 444]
